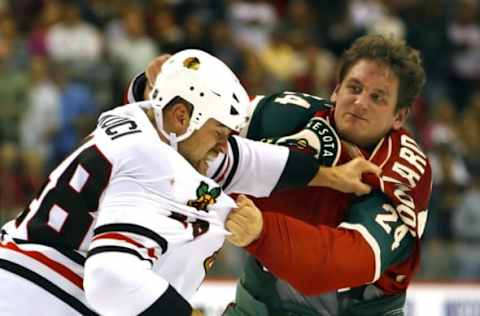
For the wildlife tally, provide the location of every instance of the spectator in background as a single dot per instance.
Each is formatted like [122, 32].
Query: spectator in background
[464, 37]
[42, 114]
[16, 184]
[253, 22]
[23, 11]
[100, 12]
[387, 23]
[72, 40]
[77, 114]
[314, 66]
[450, 178]
[165, 30]
[301, 19]
[133, 37]
[195, 35]
[224, 46]
[466, 227]
[450, 175]
[365, 13]
[443, 125]
[13, 81]
[13, 43]
[254, 76]
[342, 31]
[207, 10]
[423, 20]
[278, 57]
[48, 16]
[470, 131]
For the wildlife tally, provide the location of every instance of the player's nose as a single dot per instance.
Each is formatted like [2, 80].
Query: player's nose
[361, 101]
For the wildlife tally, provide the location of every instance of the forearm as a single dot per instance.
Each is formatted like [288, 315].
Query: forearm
[300, 170]
[120, 284]
[313, 259]
[327, 177]
[257, 168]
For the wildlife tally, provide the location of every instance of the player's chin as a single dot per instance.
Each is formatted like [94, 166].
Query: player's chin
[202, 167]
[212, 154]
[349, 135]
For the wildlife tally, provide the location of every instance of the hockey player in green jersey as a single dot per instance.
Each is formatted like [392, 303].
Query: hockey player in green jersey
[323, 252]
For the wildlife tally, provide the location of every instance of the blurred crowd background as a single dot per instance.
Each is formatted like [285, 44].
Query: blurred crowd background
[64, 62]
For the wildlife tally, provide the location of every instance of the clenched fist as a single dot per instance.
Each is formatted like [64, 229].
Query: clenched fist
[244, 222]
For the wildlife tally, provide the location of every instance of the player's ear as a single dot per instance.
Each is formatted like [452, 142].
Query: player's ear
[333, 97]
[400, 118]
[179, 117]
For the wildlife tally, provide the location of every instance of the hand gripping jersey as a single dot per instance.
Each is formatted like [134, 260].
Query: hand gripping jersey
[126, 219]
[316, 241]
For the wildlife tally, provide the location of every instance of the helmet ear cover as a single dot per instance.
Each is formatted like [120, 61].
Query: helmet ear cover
[206, 83]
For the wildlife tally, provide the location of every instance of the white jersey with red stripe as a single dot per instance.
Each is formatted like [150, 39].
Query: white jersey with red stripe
[126, 197]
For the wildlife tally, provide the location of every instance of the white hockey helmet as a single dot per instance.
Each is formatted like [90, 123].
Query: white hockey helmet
[208, 84]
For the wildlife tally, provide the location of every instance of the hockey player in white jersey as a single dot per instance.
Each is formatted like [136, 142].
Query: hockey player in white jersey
[128, 224]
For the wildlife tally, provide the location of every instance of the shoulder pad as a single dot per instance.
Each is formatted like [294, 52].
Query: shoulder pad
[284, 113]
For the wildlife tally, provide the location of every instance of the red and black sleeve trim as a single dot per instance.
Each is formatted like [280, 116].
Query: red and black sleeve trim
[70, 254]
[236, 157]
[103, 249]
[220, 167]
[135, 229]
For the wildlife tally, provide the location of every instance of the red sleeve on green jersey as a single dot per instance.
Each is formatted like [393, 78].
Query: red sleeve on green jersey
[313, 259]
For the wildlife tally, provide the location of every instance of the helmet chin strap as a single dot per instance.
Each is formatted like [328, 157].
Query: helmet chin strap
[158, 114]
[171, 137]
[173, 140]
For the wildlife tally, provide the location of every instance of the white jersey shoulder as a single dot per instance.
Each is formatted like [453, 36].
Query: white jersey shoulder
[123, 191]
